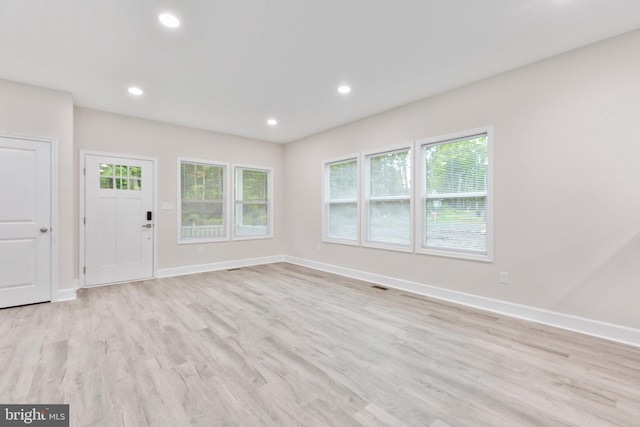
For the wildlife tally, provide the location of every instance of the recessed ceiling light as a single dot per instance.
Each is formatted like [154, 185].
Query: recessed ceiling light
[169, 20]
[272, 122]
[344, 89]
[135, 91]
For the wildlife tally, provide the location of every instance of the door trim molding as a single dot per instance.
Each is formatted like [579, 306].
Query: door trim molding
[55, 226]
[81, 208]
[66, 295]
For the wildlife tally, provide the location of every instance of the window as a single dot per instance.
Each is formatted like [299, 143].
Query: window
[453, 208]
[252, 205]
[455, 205]
[202, 202]
[341, 201]
[120, 177]
[388, 199]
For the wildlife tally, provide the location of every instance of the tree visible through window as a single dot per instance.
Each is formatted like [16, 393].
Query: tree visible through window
[251, 214]
[202, 201]
[455, 196]
[389, 198]
[120, 177]
[342, 200]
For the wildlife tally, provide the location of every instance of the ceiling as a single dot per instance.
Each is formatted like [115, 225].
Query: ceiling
[233, 64]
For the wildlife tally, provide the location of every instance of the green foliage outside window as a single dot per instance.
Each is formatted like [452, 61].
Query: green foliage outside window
[391, 174]
[390, 193]
[202, 190]
[342, 221]
[120, 177]
[251, 207]
[458, 167]
[456, 190]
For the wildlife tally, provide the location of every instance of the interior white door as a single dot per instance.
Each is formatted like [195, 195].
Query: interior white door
[118, 219]
[25, 221]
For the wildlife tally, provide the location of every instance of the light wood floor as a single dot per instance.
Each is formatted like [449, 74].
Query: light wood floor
[284, 345]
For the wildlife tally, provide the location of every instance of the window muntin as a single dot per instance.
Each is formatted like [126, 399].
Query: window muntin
[455, 195]
[388, 197]
[252, 216]
[120, 177]
[202, 204]
[341, 205]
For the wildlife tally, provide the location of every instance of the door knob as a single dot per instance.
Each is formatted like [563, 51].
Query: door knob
[44, 229]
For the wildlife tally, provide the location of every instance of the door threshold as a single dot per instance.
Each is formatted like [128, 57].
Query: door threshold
[99, 285]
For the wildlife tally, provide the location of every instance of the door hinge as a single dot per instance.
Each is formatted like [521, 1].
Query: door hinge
[84, 220]
[84, 270]
[84, 171]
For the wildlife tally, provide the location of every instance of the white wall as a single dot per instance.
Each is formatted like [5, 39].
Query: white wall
[32, 111]
[567, 184]
[105, 132]
[567, 204]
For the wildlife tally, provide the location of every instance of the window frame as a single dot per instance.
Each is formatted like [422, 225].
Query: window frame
[421, 196]
[269, 203]
[225, 202]
[366, 198]
[326, 202]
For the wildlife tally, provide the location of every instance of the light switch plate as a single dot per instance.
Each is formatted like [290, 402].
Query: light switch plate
[504, 277]
[167, 205]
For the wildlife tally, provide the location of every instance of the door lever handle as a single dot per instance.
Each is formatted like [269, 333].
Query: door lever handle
[147, 226]
[44, 229]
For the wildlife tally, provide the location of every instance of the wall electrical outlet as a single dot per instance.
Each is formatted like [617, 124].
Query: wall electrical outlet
[504, 277]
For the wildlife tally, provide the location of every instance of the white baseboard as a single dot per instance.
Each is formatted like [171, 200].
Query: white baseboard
[223, 265]
[65, 294]
[569, 322]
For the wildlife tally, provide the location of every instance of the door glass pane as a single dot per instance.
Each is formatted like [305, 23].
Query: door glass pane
[135, 172]
[121, 183]
[106, 183]
[106, 170]
[121, 173]
[134, 184]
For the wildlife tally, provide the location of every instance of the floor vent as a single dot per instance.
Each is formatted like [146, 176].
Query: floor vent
[233, 269]
[382, 288]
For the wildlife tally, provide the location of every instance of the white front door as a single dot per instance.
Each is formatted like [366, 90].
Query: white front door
[118, 219]
[25, 221]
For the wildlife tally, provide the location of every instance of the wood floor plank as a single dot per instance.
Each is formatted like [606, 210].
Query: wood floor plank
[284, 345]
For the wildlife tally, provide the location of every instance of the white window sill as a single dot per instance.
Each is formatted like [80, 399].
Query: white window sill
[195, 241]
[456, 254]
[388, 247]
[241, 238]
[341, 241]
